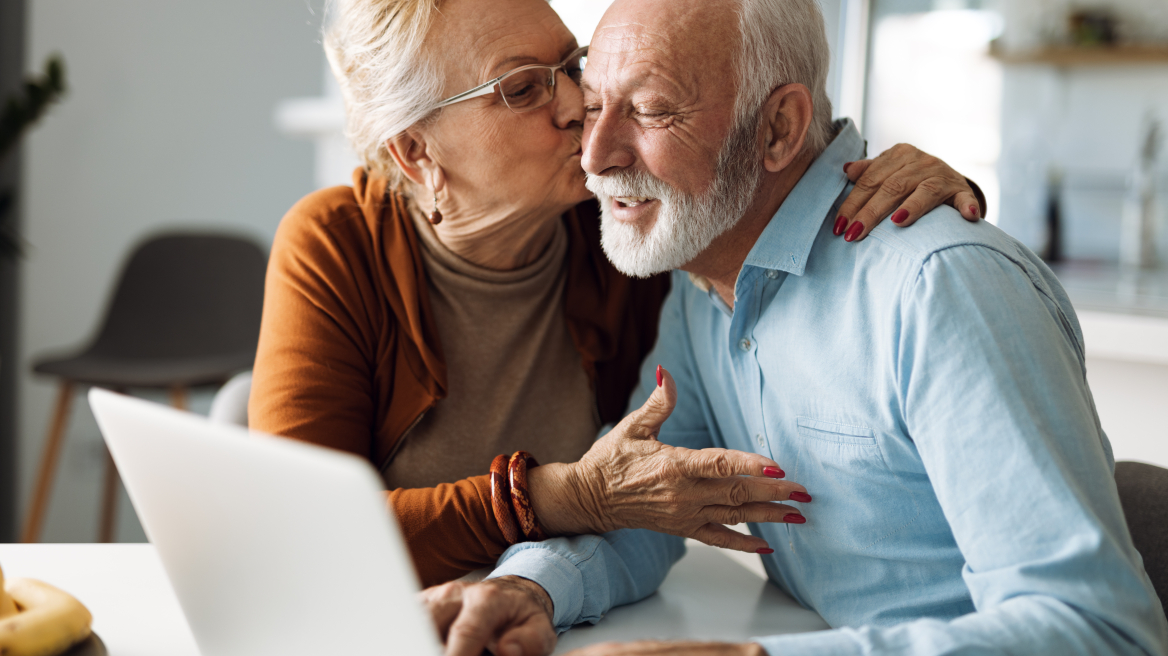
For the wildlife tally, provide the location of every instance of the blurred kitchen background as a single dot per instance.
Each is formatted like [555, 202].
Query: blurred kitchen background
[218, 116]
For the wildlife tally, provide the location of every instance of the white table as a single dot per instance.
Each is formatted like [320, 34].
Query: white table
[708, 595]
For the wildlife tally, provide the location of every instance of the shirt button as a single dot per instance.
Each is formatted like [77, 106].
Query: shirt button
[744, 344]
[772, 274]
[758, 438]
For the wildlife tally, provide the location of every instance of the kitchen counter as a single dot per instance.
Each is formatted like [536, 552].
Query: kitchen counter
[1124, 314]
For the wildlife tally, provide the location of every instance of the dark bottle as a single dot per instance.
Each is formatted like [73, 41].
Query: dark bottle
[1053, 252]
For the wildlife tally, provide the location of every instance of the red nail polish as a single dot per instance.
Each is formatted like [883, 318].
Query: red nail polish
[764, 552]
[974, 211]
[846, 165]
[659, 376]
[773, 472]
[900, 216]
[854, 231]
[801, 497]
[840, 224]
[792, 518]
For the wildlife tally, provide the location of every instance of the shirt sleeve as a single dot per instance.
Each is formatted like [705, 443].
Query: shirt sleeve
[992, 385]
[587, 576]
[314, 381]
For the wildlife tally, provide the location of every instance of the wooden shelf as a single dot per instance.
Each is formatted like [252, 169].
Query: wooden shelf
[1087, 56]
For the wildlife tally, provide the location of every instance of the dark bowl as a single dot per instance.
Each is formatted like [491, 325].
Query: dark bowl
[91, 646]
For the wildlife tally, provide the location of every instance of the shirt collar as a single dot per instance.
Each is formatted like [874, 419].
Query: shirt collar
[786, 242]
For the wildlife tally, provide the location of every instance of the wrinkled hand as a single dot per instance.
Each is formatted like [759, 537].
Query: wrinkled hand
[509, 616]
[906, 180]
[658, 648]
[628, 479]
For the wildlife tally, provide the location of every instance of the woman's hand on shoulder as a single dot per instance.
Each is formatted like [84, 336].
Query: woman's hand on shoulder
[903, 184]
[629, 479]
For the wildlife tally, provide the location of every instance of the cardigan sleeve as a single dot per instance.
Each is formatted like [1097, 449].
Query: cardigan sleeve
[320, 376]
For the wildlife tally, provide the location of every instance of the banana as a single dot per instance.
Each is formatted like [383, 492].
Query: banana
[48, 621]
[7, 606]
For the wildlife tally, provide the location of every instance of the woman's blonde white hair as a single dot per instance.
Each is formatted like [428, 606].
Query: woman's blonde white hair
[387, 78]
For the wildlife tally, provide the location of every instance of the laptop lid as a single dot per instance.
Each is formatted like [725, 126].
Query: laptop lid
[272, 546]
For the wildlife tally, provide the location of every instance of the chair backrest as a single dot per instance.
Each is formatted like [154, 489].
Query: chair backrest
[1143, 492]
[186, 295]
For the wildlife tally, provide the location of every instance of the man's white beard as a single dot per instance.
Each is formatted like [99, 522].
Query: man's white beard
[686, 224]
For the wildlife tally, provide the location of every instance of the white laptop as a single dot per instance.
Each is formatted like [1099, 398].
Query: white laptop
[272, 546]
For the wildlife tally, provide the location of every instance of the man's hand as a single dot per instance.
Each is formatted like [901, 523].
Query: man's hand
[657, 648]
[629, 479]
[509, 616]
[906, 180]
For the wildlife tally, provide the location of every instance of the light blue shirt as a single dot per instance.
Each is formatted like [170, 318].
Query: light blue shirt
[927, 386]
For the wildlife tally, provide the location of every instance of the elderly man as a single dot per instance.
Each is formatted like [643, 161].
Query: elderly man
[927, 387]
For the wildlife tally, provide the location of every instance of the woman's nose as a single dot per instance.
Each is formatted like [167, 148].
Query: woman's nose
[568, 102]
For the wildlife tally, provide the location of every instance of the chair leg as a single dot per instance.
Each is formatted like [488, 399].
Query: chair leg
[178, 397]
[109, 501]
[44, 485]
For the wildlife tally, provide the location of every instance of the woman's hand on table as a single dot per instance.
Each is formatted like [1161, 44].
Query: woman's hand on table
[903, 182]
[660, 648]
[509, 616]
[629, 479]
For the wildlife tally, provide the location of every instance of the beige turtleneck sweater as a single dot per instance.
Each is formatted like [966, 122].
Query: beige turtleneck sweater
[515, 380]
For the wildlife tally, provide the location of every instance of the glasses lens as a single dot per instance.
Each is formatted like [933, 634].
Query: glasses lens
[574, 67]
[528, 89]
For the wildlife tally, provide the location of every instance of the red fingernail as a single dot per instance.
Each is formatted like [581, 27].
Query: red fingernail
[854, 231]
[795, 519]
[764, 552]
[900, 216]
[974, 211]
[801, 497]
[846, 165]
[840, 224]
[773, 472]
[658, 375]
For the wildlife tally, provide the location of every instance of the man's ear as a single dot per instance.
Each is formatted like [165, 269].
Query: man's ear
[786, 117]
[411, 152]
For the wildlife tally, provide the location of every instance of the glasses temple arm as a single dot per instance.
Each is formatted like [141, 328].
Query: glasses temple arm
[481, 90]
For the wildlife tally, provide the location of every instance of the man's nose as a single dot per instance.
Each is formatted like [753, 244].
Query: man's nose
[605, 144]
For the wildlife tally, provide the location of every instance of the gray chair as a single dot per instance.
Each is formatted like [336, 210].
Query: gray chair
[1143, 492]
[230, 403]
[185, 313]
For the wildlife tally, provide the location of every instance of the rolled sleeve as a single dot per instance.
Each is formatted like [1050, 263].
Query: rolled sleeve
[588, 575]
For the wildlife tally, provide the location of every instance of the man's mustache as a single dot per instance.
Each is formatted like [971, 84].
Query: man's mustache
[629, 183]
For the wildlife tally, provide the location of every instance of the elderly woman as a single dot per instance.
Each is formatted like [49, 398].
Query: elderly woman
[455, 304]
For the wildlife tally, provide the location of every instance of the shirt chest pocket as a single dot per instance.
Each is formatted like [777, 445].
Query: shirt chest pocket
[859, 501]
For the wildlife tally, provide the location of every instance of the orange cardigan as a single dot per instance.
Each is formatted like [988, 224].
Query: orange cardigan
[349, 356]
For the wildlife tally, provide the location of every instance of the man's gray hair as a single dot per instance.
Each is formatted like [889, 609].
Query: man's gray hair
[784, 42]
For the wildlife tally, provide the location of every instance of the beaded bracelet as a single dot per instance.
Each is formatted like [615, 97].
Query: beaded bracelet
[521, 496]
[501, 499]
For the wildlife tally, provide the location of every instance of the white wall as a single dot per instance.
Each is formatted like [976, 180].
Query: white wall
[1129, 397]
[168, 122]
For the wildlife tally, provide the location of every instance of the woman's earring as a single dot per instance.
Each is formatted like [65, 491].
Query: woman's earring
[435, 216]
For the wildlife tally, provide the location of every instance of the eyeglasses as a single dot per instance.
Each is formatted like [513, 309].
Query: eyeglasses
[527, 87]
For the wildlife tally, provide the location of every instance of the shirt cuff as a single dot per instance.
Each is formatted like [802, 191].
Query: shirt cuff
[555, 574]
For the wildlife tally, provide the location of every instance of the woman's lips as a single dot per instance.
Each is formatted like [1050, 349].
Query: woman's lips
[633, 208]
